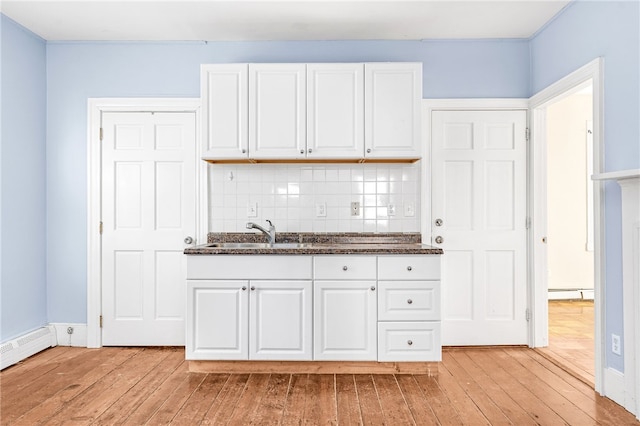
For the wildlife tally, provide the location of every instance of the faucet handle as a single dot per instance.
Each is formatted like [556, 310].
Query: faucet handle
[270, 224]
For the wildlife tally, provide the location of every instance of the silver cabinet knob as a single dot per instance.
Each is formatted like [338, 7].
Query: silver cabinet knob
[302, 151]
[409, 301]
[344, 268]
[188, 240]
[439, 240]
[438, 222]
[409, 268]
[244, 288]
[244, 151]
[409, 342]
[373, 288]
[368, 150]
[309, 150]
[253, 288]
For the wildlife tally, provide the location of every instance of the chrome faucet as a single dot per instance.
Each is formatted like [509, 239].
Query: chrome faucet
[271, 233]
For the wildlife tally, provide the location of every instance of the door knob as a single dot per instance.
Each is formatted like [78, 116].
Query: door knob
[438, 222]
[188, 240]
[439, 240]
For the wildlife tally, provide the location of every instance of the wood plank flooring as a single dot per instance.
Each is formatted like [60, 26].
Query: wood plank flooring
[135, 386]
[571, 344]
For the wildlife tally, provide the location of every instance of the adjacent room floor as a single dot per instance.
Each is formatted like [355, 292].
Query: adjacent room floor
[571, 330]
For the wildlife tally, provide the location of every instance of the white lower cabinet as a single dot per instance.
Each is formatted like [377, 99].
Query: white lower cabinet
[325, 308]
[217, 319]
[280, 320]
[239, 320]
[344, 321]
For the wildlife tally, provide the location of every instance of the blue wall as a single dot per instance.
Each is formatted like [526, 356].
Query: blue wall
[611, 30]
[77, 71]
[22, 221]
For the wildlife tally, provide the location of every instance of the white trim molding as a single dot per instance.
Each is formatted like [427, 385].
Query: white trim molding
[629, 181]
[95, 108]
[591, 73]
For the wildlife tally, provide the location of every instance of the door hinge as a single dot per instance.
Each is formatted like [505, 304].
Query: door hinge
[527, 134]
[101, 134]
[527, 314]
[527, 223]
[101, 228]
[100, 321]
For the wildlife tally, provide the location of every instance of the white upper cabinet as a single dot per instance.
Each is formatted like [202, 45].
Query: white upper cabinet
[312, 111]
[224, 90]
[392, 110]
[335, 110]
[277, 111]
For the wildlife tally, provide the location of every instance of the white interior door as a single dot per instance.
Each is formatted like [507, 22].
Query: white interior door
[479, 211]
[148, 209]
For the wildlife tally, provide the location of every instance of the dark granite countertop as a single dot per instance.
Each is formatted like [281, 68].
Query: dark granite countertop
[311, 243]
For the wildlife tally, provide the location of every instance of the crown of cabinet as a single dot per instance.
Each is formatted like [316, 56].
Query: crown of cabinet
[311, 112]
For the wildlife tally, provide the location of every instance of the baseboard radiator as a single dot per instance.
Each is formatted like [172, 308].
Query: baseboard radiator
[23, 347]
[571, 294]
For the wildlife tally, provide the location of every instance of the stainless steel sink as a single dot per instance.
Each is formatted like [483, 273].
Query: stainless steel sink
[259, 245]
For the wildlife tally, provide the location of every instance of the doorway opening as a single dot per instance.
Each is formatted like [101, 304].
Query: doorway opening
[570, 231]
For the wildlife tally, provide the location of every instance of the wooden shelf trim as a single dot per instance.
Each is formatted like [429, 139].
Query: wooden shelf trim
[315, 367]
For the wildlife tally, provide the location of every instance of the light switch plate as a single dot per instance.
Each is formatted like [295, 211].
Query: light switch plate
[252, 209]
[409, 210]
[321, 209]
[355, 208]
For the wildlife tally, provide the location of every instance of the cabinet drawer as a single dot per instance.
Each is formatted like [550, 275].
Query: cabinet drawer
[408, 300]
[248, 267]
[409, 341]
[425, 267]
[344, 267]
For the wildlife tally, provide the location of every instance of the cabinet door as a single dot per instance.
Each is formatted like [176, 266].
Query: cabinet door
[217, 320]
[225, 111]
[335, 110]
[393, 93]
[280, 317]
[344, 320]
[277, 110]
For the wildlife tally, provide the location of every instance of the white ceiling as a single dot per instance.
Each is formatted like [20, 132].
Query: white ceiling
[214, 20]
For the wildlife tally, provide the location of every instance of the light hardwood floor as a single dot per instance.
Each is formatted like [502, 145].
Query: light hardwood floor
[134, 386]
[571, 344]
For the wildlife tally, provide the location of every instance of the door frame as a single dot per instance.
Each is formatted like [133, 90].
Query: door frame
[95, 108]
[537, 198]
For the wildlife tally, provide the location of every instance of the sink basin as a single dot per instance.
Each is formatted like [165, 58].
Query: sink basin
[258, 245]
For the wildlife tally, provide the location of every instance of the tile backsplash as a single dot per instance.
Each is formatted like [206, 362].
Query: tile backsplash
[315, 197]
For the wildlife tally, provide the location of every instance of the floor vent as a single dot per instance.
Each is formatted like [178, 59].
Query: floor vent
[24, 346]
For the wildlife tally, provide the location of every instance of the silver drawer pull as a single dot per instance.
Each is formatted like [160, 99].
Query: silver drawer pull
[244, 288]
[409, 268]
[253, 288]
[409, 301]
[409, 342]
[344, 268]
[373, 288]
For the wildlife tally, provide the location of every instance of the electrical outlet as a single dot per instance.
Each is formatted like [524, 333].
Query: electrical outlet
[409, 210]
[252, 210]
[355, 208]
[391, 210]
[69, 330]
[321, 210]
[615, 344]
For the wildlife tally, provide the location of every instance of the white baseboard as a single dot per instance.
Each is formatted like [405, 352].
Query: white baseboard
[77, 338]
[23, 347]
[578, 294]
[614, 386]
